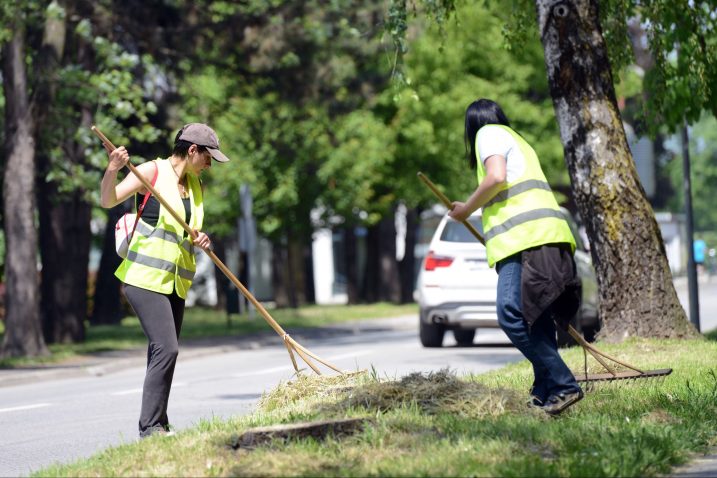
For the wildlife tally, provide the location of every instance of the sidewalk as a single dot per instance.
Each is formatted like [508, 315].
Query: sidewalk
[103, 363]
[704, 278]
[702, 466]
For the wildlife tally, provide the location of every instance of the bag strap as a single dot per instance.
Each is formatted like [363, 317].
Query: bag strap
[140, 209]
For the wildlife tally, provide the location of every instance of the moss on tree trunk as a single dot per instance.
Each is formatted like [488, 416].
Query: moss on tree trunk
[637, 296]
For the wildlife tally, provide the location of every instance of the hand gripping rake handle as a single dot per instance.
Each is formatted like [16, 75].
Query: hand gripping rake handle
[597, 354]
[447, 202]
[291, 345]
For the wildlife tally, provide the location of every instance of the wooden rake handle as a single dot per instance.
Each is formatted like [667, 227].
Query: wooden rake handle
[289, 342]
[447, 202]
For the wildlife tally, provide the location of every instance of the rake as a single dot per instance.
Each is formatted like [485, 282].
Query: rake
[292, 346]
[610, 374]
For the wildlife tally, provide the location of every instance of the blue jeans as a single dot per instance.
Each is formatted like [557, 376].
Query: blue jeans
[539, 342]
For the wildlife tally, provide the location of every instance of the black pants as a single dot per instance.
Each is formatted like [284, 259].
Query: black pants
[161, 318]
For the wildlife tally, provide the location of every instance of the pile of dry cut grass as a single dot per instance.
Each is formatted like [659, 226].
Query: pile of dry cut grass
[433, 392]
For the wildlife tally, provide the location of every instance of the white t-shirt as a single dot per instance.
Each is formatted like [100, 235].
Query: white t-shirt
[493, 139]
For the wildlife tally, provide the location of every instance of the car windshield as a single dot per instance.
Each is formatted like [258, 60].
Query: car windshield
[457, 232]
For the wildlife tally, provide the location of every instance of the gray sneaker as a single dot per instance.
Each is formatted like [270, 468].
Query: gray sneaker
[557, 403]
[157, 430]
[534, 402]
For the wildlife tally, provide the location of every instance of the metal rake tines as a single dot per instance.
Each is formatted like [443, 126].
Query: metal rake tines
[625, 375]
[630, 375]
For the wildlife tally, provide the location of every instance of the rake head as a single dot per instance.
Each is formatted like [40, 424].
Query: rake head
[625, 375]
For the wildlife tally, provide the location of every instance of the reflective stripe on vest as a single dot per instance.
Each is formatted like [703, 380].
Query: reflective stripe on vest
[524, 213]
[145, 230]
[521, 219]
[518, 189]
[162, 258]
[160, 264]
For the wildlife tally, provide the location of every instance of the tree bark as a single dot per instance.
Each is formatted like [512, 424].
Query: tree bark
[221, 281]
[23, 333]
[637, 296]
[390, 288]
[64, 217]
[280, 274]
[308, 276]
[381, 278]
[371, 282]
[65, 246]
[297, 272]
[351, 263]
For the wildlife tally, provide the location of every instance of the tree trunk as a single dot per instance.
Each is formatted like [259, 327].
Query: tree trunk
[381, 280]
[390, 290]
[280, 274]
[65, 246]
[371, 282]
[637, 296]
[23, 333]
[296, 283]
[309, 290]
[107, 306]
[222, 281]
[351, 262]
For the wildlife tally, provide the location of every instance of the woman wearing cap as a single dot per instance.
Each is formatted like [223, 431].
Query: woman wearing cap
[160, 263]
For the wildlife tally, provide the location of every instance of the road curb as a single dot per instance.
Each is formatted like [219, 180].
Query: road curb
[700, 466]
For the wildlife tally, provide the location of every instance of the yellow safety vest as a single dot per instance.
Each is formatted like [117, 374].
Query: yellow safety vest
[161, 258]
[524, 213]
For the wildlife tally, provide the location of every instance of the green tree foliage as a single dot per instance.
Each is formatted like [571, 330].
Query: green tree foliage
[281, 95]
[682, 42]
[362, 158]
[312, 122]
[112, 88]
[448, 67]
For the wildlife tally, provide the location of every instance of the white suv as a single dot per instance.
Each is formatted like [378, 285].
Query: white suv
[456, 289]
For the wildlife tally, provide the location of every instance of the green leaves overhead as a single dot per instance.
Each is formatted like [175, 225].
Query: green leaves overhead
[118, 102]
[440, 83]
[683, 41]
[681, 38]
[356, 168]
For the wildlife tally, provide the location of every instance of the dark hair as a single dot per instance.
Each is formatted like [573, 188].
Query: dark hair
[181, 147]
[478, 114]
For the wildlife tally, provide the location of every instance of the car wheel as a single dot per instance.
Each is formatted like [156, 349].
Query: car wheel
[431, 334]
[464, 336]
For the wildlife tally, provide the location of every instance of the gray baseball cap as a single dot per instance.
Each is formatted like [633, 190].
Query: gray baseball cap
[202, 135]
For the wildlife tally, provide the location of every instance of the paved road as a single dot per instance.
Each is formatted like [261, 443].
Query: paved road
[63, 415]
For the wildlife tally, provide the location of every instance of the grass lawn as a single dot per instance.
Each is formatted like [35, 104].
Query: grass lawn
[202, 323]
[443, 425]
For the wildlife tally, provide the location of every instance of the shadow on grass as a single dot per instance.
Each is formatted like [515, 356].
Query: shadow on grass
[711, 335]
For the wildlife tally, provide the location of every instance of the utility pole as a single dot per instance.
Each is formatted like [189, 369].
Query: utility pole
[691, 266]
